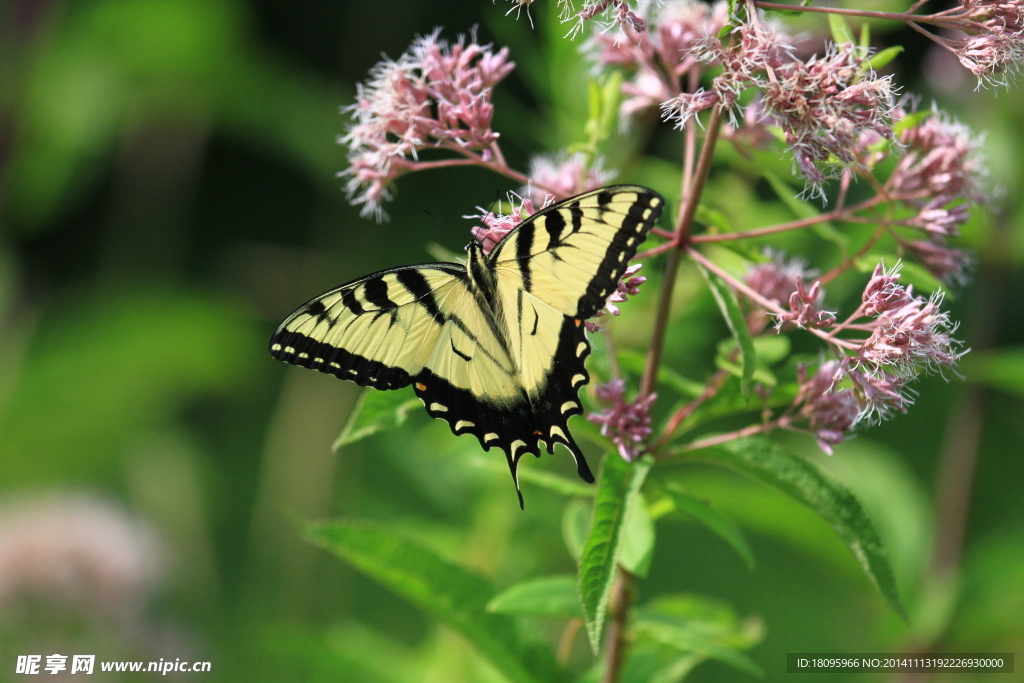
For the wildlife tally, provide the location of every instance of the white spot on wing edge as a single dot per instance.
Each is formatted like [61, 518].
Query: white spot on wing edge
[557, 431]
[464, 424]
[491, 436]
[438, 408]
[275, 347]
[576, 379]
[569, 405]
[580, 348]
[516, 445]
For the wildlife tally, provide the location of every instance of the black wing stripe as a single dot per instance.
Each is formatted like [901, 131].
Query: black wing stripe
[418, 286]
[348, 298]
[524, 247]
[554, 223]
[577, 216]
[376, 292]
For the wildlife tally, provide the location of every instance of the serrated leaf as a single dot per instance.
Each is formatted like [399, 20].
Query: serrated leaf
[375, 411]
[715, 522]
[737, 323]
[638, 544]
[840, 29]
[546, 596]
[881, 59]
[618, 487]
[822, 493]
[576, 526]
[453, 595]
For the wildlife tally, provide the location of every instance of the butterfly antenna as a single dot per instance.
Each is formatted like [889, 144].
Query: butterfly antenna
[437, 220]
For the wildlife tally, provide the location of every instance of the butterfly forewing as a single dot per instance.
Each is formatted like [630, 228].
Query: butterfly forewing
[573, 254]
[378, 331]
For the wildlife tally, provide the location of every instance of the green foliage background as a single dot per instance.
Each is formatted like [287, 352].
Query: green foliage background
[168, 194]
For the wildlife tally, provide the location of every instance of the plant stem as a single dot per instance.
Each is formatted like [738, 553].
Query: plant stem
[869, 14]
[713, 387]
[568, 639]
[622, 595]
[841, 213]
[738, 434]
[681, 242]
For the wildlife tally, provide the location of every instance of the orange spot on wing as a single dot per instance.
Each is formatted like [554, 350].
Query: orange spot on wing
[578, 322]
[421, 387]
[538, 433]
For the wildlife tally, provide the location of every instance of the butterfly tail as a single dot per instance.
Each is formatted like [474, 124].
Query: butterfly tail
[582, 468]
[513, 466]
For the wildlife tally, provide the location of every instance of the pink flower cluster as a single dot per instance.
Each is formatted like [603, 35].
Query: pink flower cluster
[941, 173]
[661, 55]
[629, 285]
[626, 423]
[434, 95]
[782, 281]
[867, 381]
[619, 10]
[565, 175]
[824, 105]
[994, 46]
[497, 225]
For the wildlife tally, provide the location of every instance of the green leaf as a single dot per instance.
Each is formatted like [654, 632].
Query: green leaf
[546, 596]
[802, 209]
[576, 526]
[712, 519]
[883, 57]
[375, 411]
[822, 493]
[771, 348]
[737, 323]
[910, 121]
[612, 97]
[634, 362]
[1002, 369]
[638, 544]
[691, 624]
[456, 597]
[841, 32]
[865, 35]
[688, 642]
[713, 218]
[617, 490]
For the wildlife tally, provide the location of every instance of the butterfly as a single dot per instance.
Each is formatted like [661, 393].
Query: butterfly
[496, 346]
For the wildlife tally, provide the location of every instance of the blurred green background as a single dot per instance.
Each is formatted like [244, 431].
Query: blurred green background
[168, 194]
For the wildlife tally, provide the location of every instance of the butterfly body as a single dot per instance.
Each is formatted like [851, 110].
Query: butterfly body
[495, 347]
